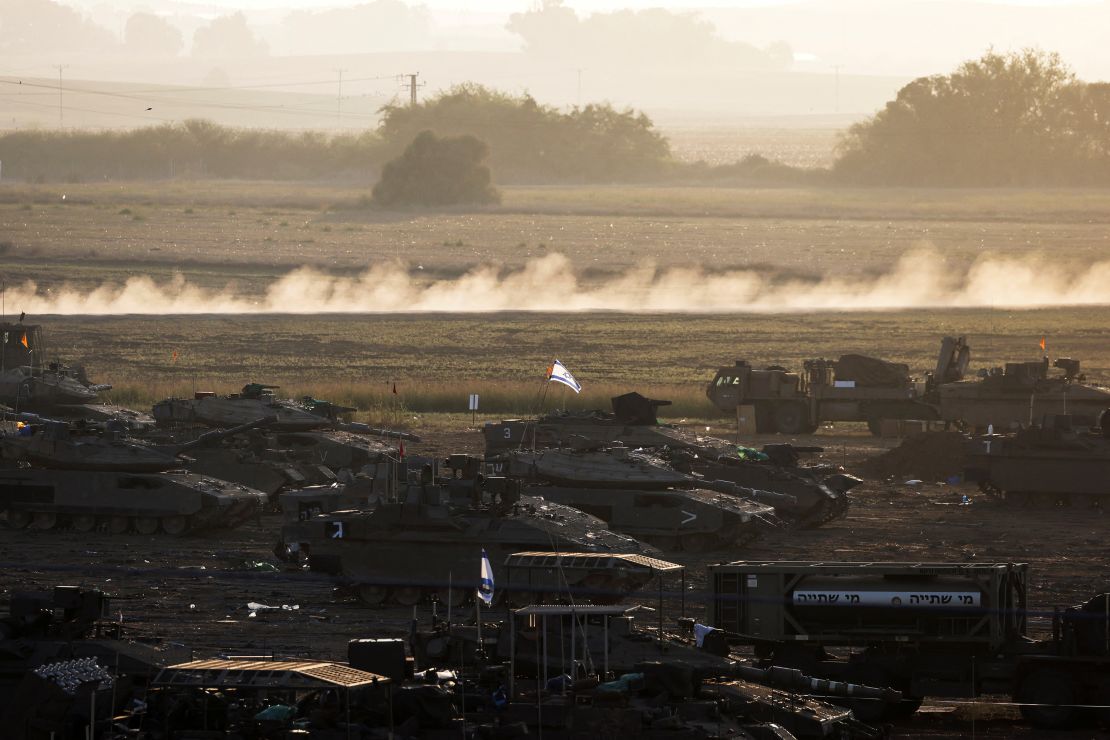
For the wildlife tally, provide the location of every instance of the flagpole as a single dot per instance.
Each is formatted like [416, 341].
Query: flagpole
[478, 615]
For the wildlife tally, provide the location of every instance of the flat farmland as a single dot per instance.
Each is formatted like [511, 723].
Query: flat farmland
[213, 232]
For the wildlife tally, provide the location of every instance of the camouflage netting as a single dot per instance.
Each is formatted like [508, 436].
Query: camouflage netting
[929, 456]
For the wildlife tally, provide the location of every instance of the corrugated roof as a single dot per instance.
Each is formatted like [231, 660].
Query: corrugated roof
[594, 559]
[264, 674]
[559, 609]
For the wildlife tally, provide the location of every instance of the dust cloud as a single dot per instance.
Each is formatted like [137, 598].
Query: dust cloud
[919, 279]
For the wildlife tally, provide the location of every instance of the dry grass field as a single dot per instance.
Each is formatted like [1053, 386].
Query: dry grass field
[248, 234]
[216, 231]
[437, 360]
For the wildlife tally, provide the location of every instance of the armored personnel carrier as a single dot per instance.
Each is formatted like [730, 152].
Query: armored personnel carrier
[1057, 464]
[88, 483]
[636, 494]
[430, 536]
[813, 494]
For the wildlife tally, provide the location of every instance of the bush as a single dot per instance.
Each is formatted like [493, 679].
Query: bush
[1014, 119]
[530, 142]
[436, 172]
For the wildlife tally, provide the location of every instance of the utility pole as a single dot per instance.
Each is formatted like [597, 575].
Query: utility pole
[339, 100]
[61, 117]
[579, 87]
[412, 87]
[836, 88]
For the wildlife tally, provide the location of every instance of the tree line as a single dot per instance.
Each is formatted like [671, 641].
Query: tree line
[1018, 119]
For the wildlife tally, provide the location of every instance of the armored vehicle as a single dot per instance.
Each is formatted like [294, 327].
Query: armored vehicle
[1057, 464]
[174, 503]
[108, 483]
[430, 537]
[853, 388]
[1021, 394]
[283, 460]
[636, 494]
[813, 494]
[29, 381]
[253, 401]
[861, 388]
[60, 445]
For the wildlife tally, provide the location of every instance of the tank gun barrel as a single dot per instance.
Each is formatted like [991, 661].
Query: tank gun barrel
[793, 679]
[771, 498]
[360, 428]
[218, 435]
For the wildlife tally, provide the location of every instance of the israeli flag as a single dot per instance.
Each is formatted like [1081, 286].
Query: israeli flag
[560, 374]
[485, 585]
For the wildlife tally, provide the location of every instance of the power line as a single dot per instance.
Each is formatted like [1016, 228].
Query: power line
[339, 100]
[61, 119]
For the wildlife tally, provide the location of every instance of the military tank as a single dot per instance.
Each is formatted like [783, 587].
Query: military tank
[60, 479]
[813, 494]
[146, 503]
[29, 381]
[1057, 464]
[637, 494]
[428, 539]
[253, 401]
[816, 495]
[60, 445]
[280, 461]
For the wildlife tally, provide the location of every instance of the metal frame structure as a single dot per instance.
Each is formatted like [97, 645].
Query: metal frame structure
[616, 563]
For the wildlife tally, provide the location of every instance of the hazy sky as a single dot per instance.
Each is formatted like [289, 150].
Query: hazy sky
[768, 57]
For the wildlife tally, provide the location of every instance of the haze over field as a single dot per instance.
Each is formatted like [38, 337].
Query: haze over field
[279, 62]
[920, 279]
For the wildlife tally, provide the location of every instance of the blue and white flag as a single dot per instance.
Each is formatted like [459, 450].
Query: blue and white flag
[485, 585]
[560, 374]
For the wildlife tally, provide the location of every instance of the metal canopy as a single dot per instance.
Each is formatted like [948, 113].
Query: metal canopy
[265, 674]
[591, 560]
[553, 610]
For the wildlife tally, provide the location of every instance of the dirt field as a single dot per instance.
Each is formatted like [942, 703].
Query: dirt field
[250, 232]
[189, 595]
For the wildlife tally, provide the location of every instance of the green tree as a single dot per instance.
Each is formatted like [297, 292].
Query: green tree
[434, 172]
[1003, 119]
[533, 142]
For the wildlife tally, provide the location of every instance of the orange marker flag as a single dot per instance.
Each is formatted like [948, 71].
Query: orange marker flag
[175, 355]
[1043, 343]
[23, 341]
